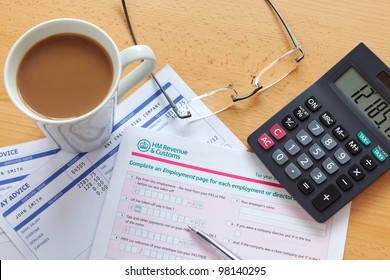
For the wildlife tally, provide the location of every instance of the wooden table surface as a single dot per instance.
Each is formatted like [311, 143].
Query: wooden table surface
[213, 43]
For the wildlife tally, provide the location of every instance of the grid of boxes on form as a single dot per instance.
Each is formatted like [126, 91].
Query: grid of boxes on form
[169, 216]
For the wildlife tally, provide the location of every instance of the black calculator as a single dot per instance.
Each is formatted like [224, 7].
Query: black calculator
[333, 140]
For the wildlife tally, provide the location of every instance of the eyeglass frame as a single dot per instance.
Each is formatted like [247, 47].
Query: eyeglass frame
[255, 79]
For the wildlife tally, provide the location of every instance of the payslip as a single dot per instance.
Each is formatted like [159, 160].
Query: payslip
[53, 213]
[161, 183]
[16, 162]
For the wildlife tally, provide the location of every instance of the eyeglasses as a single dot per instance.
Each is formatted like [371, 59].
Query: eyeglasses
[221, 99]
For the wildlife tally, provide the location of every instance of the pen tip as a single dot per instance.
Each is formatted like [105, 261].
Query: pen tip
[190, 227]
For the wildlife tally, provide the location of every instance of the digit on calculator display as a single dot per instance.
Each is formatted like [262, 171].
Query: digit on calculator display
[366, 99]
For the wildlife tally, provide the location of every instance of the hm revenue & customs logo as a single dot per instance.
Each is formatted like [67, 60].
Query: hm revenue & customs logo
[143, 145]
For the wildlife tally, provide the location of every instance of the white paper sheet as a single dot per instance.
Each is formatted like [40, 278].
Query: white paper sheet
[53, 213]
[16, 162]
[161, 183]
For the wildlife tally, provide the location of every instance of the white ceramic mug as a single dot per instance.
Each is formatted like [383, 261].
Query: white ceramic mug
[91, 130]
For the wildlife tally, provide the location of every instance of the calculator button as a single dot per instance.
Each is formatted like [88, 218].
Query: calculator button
[313, 104]
[292, 171]
[328, 142]
[330, 166]
[317, 152]
[318, 176]
[341, 133]
[344, 182]
[341, 156]
[379, 154]
[265, 141]
[327, 119]
[279, 157]
[289, 122]
[328, 196]
[291, 147]
[304, 161]
[303, 138]
[363, 138]
[315, 128]
[301, 113]
[368, 163]
[353, 147]
[277, 132]
[356, 173]
[305, 186]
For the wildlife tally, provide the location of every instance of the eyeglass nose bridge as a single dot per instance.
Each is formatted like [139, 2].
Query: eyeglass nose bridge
[236, 98]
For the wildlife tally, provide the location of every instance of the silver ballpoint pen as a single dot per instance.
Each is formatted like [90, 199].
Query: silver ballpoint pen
[203, 236]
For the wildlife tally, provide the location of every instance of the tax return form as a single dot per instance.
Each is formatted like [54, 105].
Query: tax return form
[53, 213]
[162, 182]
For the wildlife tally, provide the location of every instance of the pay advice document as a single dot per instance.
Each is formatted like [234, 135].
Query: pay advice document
[161, 183]
[50, 200]
[16, 162]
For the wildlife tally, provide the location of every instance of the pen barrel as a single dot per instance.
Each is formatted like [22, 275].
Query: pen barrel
[215, 244]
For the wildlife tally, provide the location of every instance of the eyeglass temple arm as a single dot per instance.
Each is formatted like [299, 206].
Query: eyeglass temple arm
[293, 38]
[173, 105]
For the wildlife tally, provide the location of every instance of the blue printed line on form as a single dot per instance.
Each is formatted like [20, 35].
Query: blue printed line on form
[30, 157]
[24, 159]
[12, 180]
[140, 107]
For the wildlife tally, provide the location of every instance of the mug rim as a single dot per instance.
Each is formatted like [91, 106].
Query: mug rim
[12, 92]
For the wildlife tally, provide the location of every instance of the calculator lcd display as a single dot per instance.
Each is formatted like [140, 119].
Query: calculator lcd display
[366, 99]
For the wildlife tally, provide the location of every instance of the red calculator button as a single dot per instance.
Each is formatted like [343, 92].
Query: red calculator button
[277, 132]
[265, 141]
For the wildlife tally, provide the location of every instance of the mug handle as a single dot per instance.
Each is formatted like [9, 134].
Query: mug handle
[130, 55]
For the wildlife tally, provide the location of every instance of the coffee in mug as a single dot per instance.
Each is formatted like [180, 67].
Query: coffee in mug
[64, 76]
